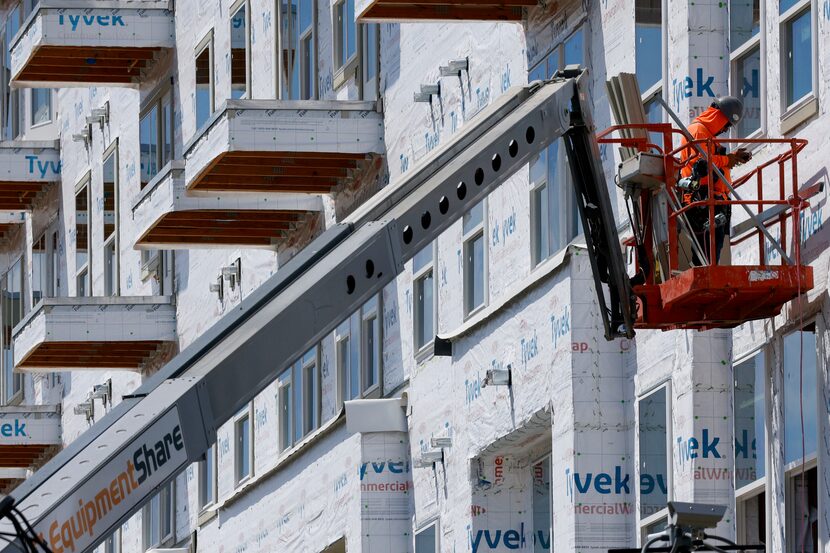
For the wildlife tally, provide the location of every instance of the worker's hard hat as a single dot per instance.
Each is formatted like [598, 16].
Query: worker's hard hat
[732, 107]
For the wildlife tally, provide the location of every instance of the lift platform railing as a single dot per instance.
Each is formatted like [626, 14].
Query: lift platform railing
[682, 288]
[787, 202]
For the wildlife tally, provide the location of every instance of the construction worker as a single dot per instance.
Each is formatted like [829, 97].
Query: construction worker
[723, 113]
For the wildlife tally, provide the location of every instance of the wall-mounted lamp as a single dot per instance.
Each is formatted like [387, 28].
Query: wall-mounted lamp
[454, 68]
[87, 408]
[103, 392]
[83, 136]
[427, 92]
[497, 377]
[440, 442]
[101, 116]
[429, 458]
[233, 273]
[217, 288]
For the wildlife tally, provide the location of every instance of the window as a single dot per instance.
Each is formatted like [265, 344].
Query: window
[426, 539]
[82, 269]
[345, 36]
[745, 42]
[358, 353]
[370, 60]
[155, 134]
[12, 311]
[243, 446]
[750, 448]
[298, 399]
[240, 44]
[12, 105]
[802, 510]
[796, 51]
[44, 263]
[285, 408]
[541, 505]
[423, 290]
[648, 27]
[41, 106]
[800, 448]
[475, 252]
[554, 226]
[798, 392]
[311, 392]
[204, 98]
[113, 543]
[348, 357]
[157, 518]
[110, 222]
[298, 45]
[653, 423]
[207, 479]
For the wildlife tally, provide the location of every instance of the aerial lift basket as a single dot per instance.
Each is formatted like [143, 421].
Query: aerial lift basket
[677, 289]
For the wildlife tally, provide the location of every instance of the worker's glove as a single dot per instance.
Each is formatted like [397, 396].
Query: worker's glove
[739, 157]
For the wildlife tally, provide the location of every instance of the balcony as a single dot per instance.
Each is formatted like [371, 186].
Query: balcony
[63, 44]
[26, 168]
[170, 217]
[388, 11]
[29, 435]
[305, 147]
[93, 333]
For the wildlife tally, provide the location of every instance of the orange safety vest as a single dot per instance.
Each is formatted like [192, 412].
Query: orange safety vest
[705, 126]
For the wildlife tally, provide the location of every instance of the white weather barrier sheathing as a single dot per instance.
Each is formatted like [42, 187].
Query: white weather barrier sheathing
[88, 24]
[168, 194]
[30, 161]
[95, 319]
[29, 425]
[286, 126]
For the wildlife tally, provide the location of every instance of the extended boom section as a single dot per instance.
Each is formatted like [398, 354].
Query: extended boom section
[171, 420]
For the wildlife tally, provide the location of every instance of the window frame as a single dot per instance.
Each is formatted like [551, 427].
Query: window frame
[433, 522]
[371, 315]
[310, 366]
[207, 43]
[792, 469]
[664, 61]
[283, 88]
[204, 477]
[36, 124]
[800, 109]
[112, 544]
[547, 457]
[16, 395]
[369, 86]
[419, 276]
[84, 182]
[164, 539]
[643, 523]
[244, 416]
[12, 103]
[760, 485]
[349, 68]
[235, 7]
[156, 101]
[50, 264]
[791, 472]
[351, 330]
[757, 41]
[467, 239]
[114, 240]
[288, 380]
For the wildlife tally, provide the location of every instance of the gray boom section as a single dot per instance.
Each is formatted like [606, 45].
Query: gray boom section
[344, 268]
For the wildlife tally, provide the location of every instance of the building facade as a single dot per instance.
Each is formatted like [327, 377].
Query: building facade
[150, 189]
